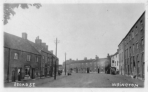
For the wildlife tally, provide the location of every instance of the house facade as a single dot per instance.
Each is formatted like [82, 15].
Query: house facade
[115, 62]
[133, 49]
[121, 58]
[24, 60]
[88, 65]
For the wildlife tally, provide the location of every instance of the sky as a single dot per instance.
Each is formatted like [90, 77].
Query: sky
[83, 30]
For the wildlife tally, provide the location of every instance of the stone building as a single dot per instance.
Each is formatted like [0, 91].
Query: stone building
[133, 49]
[23, 60]
[121, 58]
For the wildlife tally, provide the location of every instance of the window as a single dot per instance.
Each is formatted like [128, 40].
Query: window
[137, 45]
[37, 59]
[132, 34]
[15, 55]
[112, 61]
[141, 22]
[136, 30]
[28, 57]
[43, 57]
[127, 53]
[133, 48]
[129, 37]
[130, 51]
[142, 41]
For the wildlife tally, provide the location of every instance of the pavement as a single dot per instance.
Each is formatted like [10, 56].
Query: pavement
[84, 80]
[37, 81]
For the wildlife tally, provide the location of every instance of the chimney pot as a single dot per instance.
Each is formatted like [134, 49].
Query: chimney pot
[24, 35]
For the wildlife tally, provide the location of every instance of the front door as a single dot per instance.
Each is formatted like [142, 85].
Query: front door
[98, 70]
[13, 76]
[27, 72]
[33, 71]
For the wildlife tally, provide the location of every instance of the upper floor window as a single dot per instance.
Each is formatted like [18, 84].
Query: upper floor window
[133, 48]
[129, 37]
[132, 34]
[112, 61]
[137, 45]
[15, 55]
[141, 22]
[127, 53]
[28, 57]
[142, 41]
[37, 59]
[136, 30]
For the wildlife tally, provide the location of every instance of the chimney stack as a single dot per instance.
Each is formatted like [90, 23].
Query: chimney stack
[85, 58]
[43, 45]
[51, 51]
[38, 41]
[46, 47]
[97, 58]
[24, 35]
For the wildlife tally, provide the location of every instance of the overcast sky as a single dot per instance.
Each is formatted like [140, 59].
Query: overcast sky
[84, 30]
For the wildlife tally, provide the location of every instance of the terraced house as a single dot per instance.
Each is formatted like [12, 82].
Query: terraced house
[88, 65]
[24, 59]
[131, 50]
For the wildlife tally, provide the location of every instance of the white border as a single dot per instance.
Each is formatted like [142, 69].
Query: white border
[74, 89]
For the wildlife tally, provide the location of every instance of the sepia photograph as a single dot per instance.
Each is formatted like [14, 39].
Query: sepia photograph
[74, 45]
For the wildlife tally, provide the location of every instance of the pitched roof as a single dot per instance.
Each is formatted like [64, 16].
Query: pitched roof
[15, 42]
[37, 47]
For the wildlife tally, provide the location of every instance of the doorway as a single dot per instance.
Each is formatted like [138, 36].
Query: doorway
[13, 76]
[33, 73]
[19, 73]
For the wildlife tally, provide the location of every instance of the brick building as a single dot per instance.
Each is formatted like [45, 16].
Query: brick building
[132, 49]
[24, 60]
[91, 65]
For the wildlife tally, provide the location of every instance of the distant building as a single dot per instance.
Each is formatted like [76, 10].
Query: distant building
[115, 62]
[87, 65]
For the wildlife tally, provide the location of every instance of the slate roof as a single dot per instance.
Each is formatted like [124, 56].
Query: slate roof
[15, 42]
[103, 59]
[39, 48]
[81, 61]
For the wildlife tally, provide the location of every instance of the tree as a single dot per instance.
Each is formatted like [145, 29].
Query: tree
[9, 9]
